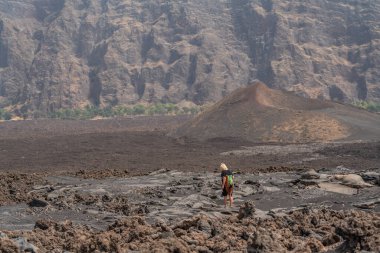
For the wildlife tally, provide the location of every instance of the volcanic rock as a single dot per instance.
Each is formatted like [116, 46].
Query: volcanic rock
[310, 174]
[246, 210]
[195, 201]
[368, 204]
[371, 176]
[24, 246]
[353, 180]
[38, 203]
[43, 224]
[306, 230]
[8, 246]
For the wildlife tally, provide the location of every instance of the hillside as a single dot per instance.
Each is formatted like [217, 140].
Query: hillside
[260, 114]
[71, 53]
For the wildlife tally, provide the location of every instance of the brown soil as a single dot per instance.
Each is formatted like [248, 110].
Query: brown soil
[260, 114]
[114, 147]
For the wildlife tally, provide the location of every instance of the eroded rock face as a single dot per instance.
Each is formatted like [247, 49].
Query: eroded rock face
[69, 53]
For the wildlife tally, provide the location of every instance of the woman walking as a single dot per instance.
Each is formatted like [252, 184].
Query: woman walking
[227, 184]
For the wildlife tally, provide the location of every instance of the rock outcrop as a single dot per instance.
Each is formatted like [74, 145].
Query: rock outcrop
[69, 53]
[309, 230]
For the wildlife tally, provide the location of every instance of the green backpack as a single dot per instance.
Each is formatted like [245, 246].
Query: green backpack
[230, 179]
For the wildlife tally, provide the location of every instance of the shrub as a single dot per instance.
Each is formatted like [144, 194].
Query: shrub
[107, 112]
[373, 107]
[194, 110]
[367, 105]
[138, 110]
[4, 115]
[122, 111]
[90, 111]
[39, 114]
[171, 108]
[157, 109]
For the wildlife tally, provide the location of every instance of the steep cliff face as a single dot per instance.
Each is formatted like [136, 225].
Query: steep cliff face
[69, 53]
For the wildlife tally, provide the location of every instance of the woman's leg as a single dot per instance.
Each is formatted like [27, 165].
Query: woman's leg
[225, 194]
[230, 196]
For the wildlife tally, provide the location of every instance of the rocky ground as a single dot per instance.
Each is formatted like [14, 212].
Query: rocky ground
[102, 186]
[172, 211]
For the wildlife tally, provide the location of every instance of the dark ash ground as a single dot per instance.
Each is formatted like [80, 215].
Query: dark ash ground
[122, 185]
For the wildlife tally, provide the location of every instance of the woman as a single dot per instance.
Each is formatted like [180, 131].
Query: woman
[227, 184]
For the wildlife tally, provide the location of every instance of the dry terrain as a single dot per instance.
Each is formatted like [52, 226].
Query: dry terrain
[260, 114]
[122, 185]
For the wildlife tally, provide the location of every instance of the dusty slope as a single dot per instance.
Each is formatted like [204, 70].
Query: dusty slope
[260, 114]
[68, 53]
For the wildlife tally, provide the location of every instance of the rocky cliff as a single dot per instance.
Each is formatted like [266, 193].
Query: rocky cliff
[69, 53]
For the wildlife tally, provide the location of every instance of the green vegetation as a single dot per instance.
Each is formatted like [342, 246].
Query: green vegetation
[90, 112]
[4, 115]
[367, 105]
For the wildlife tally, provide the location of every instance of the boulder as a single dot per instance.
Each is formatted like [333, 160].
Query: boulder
[352, 180]
[371, 176]
[38, 203]
[310, 174]
[246, 210]
[24, 246]
[43, 224]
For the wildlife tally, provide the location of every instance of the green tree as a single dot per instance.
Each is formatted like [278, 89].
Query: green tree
[194, 110]
[367, 105]
[171, 108]
[5, 115]
[138, 110]
[107, 112]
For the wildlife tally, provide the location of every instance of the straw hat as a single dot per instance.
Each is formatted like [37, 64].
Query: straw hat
[223, 166]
